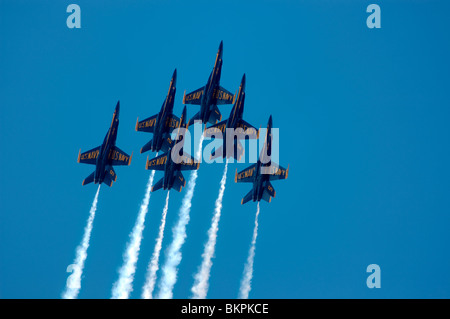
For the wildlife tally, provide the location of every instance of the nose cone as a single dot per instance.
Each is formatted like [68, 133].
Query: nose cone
[174, 77]
[117, 109]
[243, 82]
[220, 49]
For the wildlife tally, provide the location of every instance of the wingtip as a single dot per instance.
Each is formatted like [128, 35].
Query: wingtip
[287, 171]
[129, 161]
[79, 155]
[184, 97]
[242, 201]
[146, 164]
[235, 176]
[137, 123]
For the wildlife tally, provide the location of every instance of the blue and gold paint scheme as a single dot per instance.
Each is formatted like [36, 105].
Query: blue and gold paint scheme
[172, 162]
[161, 124]
[210, 95]
[105, 156]
[231, 146]
[261, 173]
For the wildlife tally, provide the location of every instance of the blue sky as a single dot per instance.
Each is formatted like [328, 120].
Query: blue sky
[363, 117]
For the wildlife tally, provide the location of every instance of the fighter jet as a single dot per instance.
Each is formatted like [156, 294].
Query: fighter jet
[210, 95]
[161, 124]
[232, 147]
[262, 172]
[172, 163]
[105, 156]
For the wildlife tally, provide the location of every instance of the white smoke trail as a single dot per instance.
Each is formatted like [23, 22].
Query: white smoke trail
[73, 283]
[201, 284]
[153, 266]
[248, 270]
[173, 258]
[123, 286]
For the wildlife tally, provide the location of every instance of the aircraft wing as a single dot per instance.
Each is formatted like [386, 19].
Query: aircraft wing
[250, 130]
[119, 157]
[147, 125]
[281, 173]
[275, 171]
[187, 163]
[218, 129]
[172, 122]
[89, 157]
[194, 97]
[223, 96]
[245, 176]
[158, 163]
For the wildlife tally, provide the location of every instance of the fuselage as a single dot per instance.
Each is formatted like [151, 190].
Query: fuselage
[103, 158]
[236, 114]
[208, 99]
[261, 179]
[161, 130]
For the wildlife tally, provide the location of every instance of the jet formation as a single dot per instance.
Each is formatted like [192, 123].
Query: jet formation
[174, 159]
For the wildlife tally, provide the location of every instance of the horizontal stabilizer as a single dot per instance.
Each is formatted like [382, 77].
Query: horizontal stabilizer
[147, 147]
[215, 115]
[108, 180]
[247, 197]
[269, 189]
[158, 185]
[166, 144]
[179, 181]
[112, 174]
[196, 117]
[89, 179]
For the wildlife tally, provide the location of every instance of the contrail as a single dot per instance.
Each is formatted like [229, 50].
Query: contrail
[201, 284]
[153, 266]
[248, 270]
[73, 283]
[124, 285]
[173, 258]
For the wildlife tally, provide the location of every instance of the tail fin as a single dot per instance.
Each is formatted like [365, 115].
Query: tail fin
[88, 179]
[247, 197]
[158, 185]
[147, 146]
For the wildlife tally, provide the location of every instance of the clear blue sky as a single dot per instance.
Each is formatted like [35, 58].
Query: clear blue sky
[363, 117]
